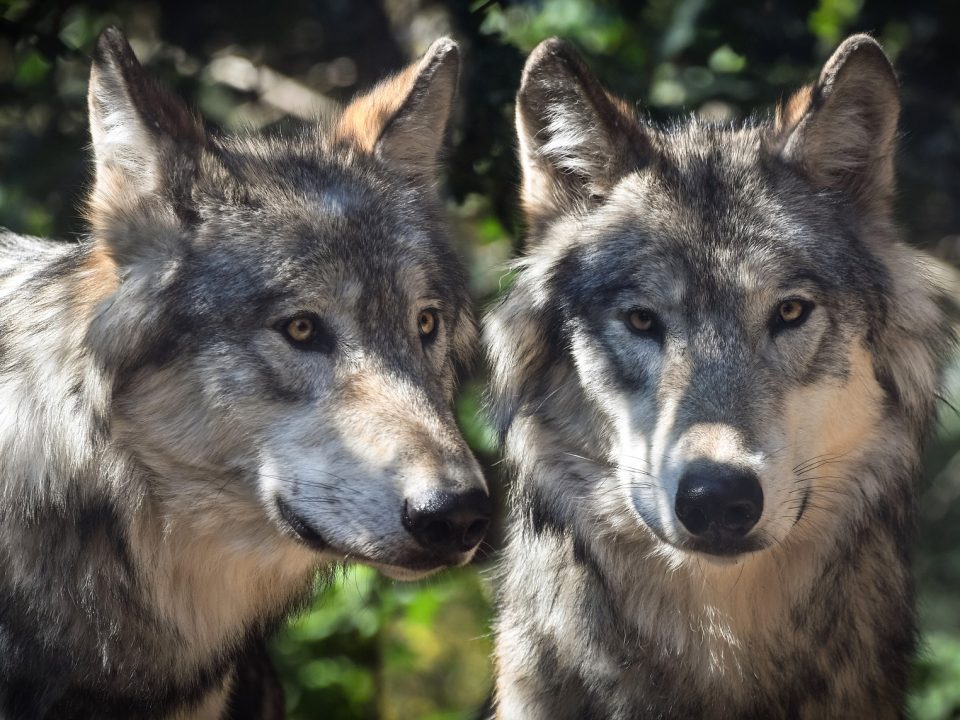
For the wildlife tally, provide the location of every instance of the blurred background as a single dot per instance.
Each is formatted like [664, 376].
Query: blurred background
[371, 648]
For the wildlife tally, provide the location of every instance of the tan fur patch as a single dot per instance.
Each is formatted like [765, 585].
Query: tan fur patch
[377, 401]
[364, 119]
[403, 119]
[790, 113]
[832, 421]
[209, 583]
[96, 279]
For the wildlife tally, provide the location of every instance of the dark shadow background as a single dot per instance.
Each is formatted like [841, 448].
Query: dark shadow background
[371, 648]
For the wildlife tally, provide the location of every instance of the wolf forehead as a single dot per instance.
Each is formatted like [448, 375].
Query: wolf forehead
[714, 213]
[288, 224]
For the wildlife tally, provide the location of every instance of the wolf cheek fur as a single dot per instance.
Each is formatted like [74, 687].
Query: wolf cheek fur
[247, 372]
[712, 375]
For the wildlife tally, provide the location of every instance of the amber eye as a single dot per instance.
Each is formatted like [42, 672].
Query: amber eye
[306, 331]
[427, 322]
[640, 321]
[300, 329]
[793, 312]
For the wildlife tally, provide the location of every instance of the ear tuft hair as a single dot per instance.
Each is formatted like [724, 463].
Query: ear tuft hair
[576, 139]
[403, 120]
[842, 130]
[146, 145]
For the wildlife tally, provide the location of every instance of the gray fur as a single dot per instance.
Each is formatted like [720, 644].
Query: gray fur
[608, 607]
[154, 415]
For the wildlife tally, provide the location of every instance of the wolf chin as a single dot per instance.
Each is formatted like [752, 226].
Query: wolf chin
[244, 374]
[712, 374]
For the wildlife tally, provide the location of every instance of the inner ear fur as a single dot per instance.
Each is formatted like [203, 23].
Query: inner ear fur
[842, 130]
[146, 145]
[403, 120]
[576, 140]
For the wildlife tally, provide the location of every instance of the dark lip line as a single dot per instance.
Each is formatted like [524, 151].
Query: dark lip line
[725, 551]
[313, 539]
[305, 532]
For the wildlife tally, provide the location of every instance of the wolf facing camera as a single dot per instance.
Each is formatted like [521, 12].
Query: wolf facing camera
[713, 375]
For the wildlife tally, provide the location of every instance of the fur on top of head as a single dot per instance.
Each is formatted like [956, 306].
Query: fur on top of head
[577, 139]
[153, 154]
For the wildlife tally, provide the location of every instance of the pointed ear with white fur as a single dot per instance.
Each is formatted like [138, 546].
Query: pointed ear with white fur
[576, 139]
[146, 144]
[842, 131]
[403, 120]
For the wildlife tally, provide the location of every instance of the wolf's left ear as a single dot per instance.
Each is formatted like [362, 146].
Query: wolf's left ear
[403, 120]
[576, 139]
[842, 131]
[145, 142]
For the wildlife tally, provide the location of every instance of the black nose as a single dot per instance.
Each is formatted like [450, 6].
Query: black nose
[719, 501]
[447, 522]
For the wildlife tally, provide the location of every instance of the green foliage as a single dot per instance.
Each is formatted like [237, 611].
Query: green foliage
[936, 679]
[831, 19]
[369, 648]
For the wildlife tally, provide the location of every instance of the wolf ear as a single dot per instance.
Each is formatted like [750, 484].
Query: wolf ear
[842, 130]
[403, 120]
[145, 144]
[576, 139]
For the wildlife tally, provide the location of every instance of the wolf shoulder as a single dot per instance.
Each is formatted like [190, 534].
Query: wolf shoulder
[20, 253]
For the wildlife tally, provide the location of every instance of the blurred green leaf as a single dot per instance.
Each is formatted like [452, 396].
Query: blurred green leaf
[832, 18]
[32, 68]
[725, 60]
[935, 693]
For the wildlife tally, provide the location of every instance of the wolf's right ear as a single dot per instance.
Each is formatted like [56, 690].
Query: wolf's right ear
[842, 131]
[576, 139]
[403, 120]
[146, 144]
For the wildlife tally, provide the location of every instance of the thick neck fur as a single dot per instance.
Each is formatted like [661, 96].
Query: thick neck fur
[603, 621]
[820, 624]
[126, 567]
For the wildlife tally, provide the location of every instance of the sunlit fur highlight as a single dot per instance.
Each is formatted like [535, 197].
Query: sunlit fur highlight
[154, 415]
[603, 610]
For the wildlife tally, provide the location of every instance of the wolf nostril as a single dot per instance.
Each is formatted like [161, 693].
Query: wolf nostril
[436, 532]
[448, 522]
[691, 517]
[739, 515]
[475, 532]
[718, 501]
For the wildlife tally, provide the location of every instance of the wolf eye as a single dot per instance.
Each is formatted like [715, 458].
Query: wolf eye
[791, 313]
[427, 323]
[300, 329]
[306, 332]
[641, 321]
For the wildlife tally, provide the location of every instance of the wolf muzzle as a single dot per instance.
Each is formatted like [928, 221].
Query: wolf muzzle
[448, 523]
[718, 504]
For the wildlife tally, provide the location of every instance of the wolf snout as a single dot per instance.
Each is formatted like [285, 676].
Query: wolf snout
[448, 522]
[719, 503]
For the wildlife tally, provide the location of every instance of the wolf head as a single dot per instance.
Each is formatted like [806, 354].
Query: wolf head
[285, 318]
[713, 327]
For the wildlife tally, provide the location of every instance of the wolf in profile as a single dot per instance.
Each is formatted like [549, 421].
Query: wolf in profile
[244, 374]
[713, 375]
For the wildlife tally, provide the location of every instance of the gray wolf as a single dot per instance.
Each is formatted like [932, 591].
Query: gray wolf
[712, 374]
[244, 374]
